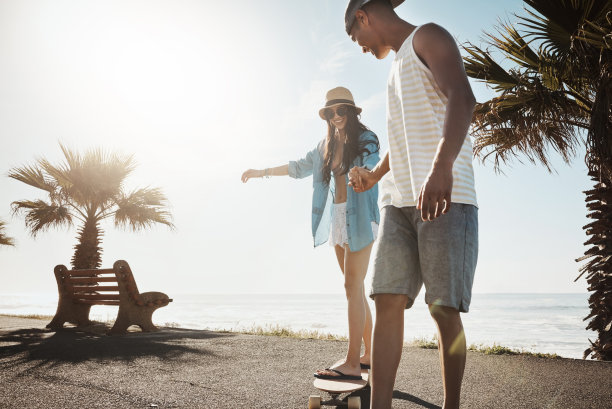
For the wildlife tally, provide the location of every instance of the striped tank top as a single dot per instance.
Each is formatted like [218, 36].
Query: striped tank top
[415, 119]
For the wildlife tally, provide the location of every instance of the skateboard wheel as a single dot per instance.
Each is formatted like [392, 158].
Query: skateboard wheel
[354, 402]
[314, 402]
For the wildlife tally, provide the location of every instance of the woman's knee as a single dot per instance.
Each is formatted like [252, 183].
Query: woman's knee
[352, 286]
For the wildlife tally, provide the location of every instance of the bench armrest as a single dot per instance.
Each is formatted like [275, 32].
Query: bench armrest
[153, 296]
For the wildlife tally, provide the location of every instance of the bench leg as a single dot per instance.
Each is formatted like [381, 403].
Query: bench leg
[67, 311]
[121, 323]
[56, 323]
[133, 315]
[146, 320]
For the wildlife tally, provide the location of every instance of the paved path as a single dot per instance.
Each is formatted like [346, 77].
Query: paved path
[182, 368]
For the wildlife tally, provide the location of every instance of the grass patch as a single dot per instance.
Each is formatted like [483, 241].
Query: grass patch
[50, 317]
[278, 331]
[32, 316]
[502, 350]
[425, 343]
[495, 349]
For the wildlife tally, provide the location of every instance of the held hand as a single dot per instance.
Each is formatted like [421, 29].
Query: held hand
[435, 196]
[251, 173]
[361, 179]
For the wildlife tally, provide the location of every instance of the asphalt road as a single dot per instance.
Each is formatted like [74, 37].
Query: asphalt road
[183, 368]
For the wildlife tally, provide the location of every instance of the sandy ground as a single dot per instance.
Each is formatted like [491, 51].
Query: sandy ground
[183, 368]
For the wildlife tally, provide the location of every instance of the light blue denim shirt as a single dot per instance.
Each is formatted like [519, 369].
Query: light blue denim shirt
[361, 208]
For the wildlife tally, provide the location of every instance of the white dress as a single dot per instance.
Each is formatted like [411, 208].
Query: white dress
[338, 234]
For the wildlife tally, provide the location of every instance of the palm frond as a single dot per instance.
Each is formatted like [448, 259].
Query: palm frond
[598, 35]
[556, 22]
[107, 170]
[514, 46]
[531, 120]
[33, 176]
[91, 179]
[555, 38]
[40, 216]
[546, 99]
[4, 239]
[482, 66]
[141, 209]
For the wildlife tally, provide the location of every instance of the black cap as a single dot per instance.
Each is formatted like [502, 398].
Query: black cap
[354, 5]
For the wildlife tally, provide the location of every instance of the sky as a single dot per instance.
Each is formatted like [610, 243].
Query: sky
[200, 91]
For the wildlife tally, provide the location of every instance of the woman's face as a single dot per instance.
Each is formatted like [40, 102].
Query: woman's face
[337, 116]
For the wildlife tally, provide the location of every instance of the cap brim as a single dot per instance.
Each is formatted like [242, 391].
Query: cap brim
[349, 15]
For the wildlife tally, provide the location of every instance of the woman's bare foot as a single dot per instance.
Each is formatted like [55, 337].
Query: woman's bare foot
[343, 367]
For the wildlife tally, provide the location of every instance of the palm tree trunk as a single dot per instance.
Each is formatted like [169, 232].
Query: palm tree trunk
[88, 253]
[599, 269]
[599, 204]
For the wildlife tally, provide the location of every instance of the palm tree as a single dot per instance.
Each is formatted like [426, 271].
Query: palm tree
[4, 239]
[87, 189]
[557, 87]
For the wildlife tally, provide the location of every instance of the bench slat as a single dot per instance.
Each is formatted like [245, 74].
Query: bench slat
[89, 288]
[97, 296]
[96, 302]
[89, 273]
[88, 280]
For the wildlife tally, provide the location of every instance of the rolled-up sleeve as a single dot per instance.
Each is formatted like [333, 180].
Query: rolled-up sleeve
[302, 168]
[370, 160]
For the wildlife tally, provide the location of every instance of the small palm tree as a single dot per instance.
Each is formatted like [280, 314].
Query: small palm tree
[87, 189]
[558, 88]
[4, 239]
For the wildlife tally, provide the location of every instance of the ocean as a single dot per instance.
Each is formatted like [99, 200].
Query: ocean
[548, 323]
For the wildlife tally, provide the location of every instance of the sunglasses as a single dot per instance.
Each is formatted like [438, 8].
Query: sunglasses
[329, 113]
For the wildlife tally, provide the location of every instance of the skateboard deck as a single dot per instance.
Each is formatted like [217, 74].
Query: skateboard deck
[335, 388]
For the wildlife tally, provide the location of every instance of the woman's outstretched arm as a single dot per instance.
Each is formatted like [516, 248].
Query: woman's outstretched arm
[282, 170]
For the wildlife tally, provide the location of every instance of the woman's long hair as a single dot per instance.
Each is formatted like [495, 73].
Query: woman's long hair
[352, 148]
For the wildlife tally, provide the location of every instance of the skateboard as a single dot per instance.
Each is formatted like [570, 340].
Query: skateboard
[335, 389]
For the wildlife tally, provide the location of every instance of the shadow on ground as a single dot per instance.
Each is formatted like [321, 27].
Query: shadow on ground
[411, 398]
[72, 345]
[365, 393]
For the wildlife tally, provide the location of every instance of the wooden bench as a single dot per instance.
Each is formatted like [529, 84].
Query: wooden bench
[80, 289]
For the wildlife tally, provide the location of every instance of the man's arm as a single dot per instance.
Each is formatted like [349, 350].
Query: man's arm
[438, 51]
[361, 179]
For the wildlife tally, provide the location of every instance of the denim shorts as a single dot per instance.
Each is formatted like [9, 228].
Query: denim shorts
[441, 254]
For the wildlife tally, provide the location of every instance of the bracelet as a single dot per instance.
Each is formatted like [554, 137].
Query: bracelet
[266, 175]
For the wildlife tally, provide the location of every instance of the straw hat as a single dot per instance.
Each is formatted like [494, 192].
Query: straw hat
[338, 96]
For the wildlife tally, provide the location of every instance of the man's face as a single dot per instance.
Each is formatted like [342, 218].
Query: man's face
[363, 34]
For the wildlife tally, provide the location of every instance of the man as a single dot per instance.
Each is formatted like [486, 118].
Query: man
[429, 219]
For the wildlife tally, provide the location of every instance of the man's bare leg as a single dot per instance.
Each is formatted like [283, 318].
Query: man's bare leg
[451, 341]
[387, 345]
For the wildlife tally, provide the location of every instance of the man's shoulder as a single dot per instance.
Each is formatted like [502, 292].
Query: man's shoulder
[430, 30]
[429, 35]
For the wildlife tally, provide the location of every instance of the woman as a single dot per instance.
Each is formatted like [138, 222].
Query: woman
[352, 217]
